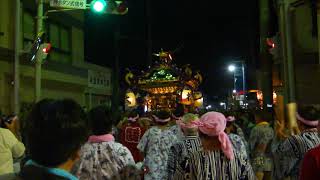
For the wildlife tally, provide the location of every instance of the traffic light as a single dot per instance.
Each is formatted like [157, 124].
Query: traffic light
[43, 51]
[109, 7]
[98, 6]
[274, 48]
[117, 7]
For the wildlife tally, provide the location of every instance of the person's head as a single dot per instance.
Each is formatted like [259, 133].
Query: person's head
[133, 116]
[100, 120]
[8, 120]
[162, 117]
[307, 116]
[212, 126]
[186, 124]
[231, 118]
[55, 131]
[178, 112]
[261, 116]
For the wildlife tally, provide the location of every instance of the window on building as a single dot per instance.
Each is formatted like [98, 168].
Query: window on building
[60, 39]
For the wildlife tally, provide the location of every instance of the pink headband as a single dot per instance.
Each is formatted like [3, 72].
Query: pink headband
[213, 124]
[189, 125]
[160, 120]
[101, 138]
[133, 119]
[231, 118]
[307, 122]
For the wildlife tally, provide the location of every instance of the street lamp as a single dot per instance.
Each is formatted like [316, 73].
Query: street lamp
[231, 68]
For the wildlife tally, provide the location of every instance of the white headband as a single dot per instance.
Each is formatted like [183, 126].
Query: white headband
[133, 119]
[307, 122]
[160, 120]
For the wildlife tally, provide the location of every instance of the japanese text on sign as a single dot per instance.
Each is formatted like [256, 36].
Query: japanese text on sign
[72, 4]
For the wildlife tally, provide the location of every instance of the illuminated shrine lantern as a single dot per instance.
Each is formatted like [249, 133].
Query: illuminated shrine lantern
[186, 97]
[198, 102]
[130, 99]
[274, 97]
[197, 95]
[198, 99]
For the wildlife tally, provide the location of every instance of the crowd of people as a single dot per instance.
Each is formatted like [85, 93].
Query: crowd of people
[60, 141]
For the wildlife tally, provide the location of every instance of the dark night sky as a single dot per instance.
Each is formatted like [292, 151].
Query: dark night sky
[211, 33]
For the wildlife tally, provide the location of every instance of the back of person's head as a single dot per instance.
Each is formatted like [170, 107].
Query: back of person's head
[178, 111]
[308, 114]
[162, 117]
[100, 120]
[211, 128]
[7, 120]
[133, 114]
[189, 117]
[186, 123]
[231, 117]
[261, 115]
[55, 131]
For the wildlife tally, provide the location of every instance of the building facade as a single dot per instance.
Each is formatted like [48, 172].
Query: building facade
[65, 74]
[295, 52]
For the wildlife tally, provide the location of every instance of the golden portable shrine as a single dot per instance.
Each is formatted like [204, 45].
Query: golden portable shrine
[164, 86]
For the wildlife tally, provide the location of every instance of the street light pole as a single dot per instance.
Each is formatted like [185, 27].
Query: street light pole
[37, 75]
[243, 78]
[234, 82]
[16, 58]
[232, 68]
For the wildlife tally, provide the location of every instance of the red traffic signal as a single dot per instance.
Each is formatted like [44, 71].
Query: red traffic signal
[43, 51]
[122, 8]
[271, 43]
[274, 46]
[46, 48]
[117, 7]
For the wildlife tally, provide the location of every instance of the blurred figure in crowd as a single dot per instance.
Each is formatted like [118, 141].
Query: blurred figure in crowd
[260, 145]
[289, 153]
[310, 167]
[155, 146]
[102, 157]
[131, 132]
[176, 115]
[10, 143]
[129, 172]
[55, 131]
[182, 149]
[233, 129]
[217, 159]
[247, 123]
[239, 143]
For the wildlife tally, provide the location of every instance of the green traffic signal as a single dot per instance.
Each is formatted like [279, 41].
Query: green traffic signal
[98, 6]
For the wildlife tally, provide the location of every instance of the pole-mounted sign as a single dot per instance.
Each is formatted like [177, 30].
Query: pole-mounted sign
[69, 4]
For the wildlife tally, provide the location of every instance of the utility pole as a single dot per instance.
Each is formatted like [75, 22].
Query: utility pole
[115, 74]
[37, 75]
[16, 59]
[265, 57]
[318, 17]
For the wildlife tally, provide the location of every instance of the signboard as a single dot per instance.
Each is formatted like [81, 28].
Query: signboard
[70, 4]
